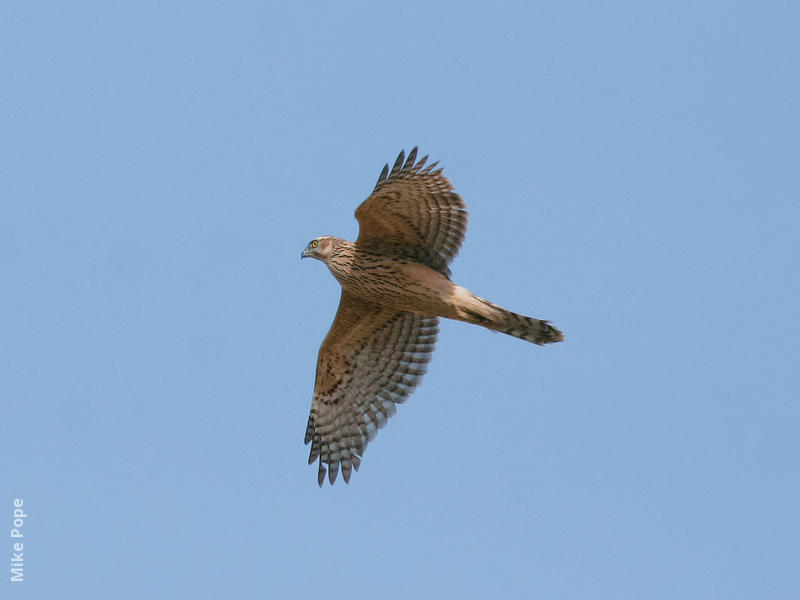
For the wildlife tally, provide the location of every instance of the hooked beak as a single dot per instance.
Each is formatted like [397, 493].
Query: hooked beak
[304, 253]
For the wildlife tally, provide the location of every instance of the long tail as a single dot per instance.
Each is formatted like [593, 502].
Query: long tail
[473, 309]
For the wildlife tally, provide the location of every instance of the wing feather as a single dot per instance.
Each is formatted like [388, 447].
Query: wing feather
[370, 361]
[413, 212]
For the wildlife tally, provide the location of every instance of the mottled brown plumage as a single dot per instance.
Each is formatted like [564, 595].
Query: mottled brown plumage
[395, 284]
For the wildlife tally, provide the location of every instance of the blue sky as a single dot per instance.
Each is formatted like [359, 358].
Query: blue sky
[631, 174]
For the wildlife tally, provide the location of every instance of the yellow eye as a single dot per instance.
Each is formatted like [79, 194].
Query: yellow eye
[314, 244]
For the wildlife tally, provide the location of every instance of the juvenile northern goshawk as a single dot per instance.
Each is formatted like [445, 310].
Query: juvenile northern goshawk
[395, 284]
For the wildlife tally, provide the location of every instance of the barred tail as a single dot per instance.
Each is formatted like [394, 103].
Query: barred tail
[482, 312]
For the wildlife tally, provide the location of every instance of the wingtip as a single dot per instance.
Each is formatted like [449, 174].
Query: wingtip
[321, 474]
[412, 157]
[398, 164]
[333, 471]
[384, 174]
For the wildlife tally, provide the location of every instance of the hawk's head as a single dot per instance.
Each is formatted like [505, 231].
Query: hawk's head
[319, 248]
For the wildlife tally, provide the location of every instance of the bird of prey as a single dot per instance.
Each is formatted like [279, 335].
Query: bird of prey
[395, 285]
